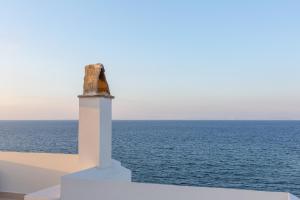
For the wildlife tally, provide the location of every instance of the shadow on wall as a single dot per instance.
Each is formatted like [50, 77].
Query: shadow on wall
[23, 179]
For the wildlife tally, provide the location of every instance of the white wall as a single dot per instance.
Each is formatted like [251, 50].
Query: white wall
[28, 172]
[116, 190]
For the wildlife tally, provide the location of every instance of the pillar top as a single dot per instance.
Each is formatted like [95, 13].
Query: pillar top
[96, 96]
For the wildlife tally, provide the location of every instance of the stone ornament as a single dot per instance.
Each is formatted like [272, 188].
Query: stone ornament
[95, 82]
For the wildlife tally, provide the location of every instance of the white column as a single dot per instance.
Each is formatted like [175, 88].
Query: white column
[95, 127]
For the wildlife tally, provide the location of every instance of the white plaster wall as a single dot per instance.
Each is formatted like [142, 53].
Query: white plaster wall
[95, 131]
[105, 132]
[141, 191]
[82, 180]
[28, 172]
[88, 142]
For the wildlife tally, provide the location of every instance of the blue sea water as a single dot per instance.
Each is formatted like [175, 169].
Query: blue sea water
[260, 155]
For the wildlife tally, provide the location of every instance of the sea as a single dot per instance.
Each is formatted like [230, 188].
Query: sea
[256, 155]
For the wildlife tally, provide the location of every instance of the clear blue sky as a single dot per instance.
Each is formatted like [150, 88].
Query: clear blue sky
[164, 59]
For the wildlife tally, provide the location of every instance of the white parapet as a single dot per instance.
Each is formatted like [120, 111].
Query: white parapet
[24, 172]
[83, 180]
[95, 129]
[95, 135]
[51, 193]
[95, 149]
[112, 190]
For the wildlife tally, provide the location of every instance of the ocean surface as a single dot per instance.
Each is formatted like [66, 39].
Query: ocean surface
[260, 155]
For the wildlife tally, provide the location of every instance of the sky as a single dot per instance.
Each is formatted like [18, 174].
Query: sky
[200, 60]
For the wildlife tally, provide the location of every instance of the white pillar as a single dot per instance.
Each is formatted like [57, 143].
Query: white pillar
[95, 127]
